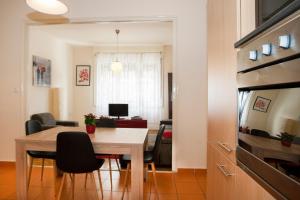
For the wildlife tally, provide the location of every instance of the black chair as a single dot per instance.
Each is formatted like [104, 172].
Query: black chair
[75, 154]
[150, 158]
[31, 127]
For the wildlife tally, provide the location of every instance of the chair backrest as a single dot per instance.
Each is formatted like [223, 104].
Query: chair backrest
[75, 153]
[157, 142]
[32, 126]
[44, 118]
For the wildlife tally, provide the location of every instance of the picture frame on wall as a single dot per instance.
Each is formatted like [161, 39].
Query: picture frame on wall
[83, 75]
[261, 104]
[41, 71]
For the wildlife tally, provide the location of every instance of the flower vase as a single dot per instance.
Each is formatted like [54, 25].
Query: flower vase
[90, 129]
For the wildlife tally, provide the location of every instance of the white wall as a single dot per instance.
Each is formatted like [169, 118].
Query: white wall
[85, 55]
[190, 72]
[38, 98]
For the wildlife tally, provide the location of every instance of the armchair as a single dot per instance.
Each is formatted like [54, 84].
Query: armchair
[47, 120]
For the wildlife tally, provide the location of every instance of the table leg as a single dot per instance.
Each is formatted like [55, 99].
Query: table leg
[137, 163]
[21, 171]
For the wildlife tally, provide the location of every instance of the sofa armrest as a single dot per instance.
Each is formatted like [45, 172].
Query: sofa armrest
[66, 123]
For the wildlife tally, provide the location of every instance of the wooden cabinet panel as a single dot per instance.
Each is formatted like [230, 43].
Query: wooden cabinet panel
[247, 17]
[222, 16]
[221, 176]
[248, 189]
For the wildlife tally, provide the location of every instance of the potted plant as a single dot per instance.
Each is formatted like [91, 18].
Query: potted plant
[90, 123]
[286, 139]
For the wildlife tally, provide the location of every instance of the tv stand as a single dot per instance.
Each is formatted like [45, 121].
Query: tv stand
[131, 123]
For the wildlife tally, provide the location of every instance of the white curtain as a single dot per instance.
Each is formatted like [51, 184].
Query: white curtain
[139, 85]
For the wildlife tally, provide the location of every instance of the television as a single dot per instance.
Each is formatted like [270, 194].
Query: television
[118, 110]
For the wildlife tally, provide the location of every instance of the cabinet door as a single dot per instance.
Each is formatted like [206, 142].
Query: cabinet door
[222, 33]
[247, 17]
[248, 189]
[221, 176]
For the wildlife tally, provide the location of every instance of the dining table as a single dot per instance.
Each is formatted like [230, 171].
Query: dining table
[130, 141]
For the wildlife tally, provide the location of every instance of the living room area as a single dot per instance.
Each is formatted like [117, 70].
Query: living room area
[79, 78]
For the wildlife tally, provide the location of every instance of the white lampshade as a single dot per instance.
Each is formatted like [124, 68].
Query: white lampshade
[52, 7]
[116, 66]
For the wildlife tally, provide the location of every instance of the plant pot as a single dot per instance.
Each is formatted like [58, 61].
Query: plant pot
[286, 143]
[90, 129]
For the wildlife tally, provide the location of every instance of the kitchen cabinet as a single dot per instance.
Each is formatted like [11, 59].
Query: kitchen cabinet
[248, 189]
[228, 20]
[246, 10]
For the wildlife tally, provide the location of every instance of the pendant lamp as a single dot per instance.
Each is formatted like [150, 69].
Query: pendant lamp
[51, 7]
[116, 66]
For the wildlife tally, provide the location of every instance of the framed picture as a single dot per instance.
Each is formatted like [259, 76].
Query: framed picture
[41, 71]
[261, 104]
[83, 75]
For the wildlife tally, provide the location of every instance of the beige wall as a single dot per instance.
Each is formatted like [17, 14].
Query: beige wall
[40, 99]
[190, 69]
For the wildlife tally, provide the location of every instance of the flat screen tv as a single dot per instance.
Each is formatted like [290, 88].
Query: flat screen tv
[118, 110]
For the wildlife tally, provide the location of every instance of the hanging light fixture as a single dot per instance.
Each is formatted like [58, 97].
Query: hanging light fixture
[52, 7]
[116, 66]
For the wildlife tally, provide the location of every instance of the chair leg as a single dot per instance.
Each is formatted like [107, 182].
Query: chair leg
[30, 170]
[118, 165]
[73, 186]
[126, 180]
[154, 179]
[100, 182]
[43, 163]
[85, 179]
[110, 173]
[61, 186]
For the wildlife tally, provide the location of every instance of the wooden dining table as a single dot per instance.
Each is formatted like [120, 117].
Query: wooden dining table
[105, 140]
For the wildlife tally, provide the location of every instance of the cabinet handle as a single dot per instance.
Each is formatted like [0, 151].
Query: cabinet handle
[224, 170]
[225, 146]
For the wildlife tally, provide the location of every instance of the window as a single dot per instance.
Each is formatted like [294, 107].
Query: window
[139, 84]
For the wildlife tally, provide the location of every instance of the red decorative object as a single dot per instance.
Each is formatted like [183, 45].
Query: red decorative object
[131, 123]
[90, 129]
[286, 143]
[167, 134]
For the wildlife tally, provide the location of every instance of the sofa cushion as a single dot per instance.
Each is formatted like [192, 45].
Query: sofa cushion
[44, 119]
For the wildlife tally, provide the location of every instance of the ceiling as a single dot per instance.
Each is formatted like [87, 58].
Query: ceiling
[103, 33]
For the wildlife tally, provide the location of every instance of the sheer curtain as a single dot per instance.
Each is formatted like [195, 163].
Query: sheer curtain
[139, 84]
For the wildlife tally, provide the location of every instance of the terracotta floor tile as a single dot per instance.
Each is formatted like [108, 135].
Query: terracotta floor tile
[186, 184]
[164, 197]
[185, 175]
[188, 187]
[191, 197]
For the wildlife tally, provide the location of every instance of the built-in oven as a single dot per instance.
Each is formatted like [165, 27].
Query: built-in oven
[269, 107]
[265, 9]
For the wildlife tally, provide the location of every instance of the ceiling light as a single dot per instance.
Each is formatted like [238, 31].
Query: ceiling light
[52, 7]
[116, 66]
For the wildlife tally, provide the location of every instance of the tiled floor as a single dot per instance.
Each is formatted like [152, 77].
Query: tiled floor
[184, 185]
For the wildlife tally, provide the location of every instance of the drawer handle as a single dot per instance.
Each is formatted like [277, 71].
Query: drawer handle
[225, 146]
[224, 170]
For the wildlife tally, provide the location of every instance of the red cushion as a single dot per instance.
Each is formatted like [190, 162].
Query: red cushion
[167, 134]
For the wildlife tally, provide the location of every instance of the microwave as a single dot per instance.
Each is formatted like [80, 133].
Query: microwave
[265, 9]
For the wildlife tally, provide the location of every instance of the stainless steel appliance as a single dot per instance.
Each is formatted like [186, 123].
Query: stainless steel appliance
[269, 107]
[265, 9]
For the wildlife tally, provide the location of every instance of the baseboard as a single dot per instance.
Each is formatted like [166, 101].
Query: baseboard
[7, 163]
